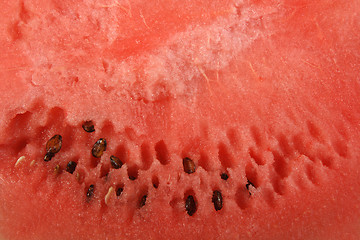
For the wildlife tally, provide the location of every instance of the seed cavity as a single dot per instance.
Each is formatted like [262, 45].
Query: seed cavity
[88, 126]
[190, 205]
[22, 158]
[54, 144]
[189, 165]
[108, 195]
[115, 162]
[248, 186]
[48, 156]
[90, 192]
[142, 201]
[224, 176]
[71, 166]
[119, 191]
[155, 182]
[217, 200]
[99, 148]
[132, 178]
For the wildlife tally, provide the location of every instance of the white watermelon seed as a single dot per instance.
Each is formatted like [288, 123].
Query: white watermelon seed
[22, 158]
[108, 195]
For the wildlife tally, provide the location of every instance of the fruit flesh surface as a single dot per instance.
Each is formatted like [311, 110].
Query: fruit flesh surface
[267, 91]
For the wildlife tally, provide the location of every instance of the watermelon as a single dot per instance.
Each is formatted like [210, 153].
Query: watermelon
[222, 119]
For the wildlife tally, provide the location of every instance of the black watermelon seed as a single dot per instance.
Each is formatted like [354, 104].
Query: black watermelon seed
[189, 165]
[90, 191]
[224, 176]
[119, 191]
[132, 178]
[115, 162]
[71, 167]
[142, 201]
[190, 205]
[48, 156]
[99, 148]
[88, 126]
[54, 144]
[217, 200]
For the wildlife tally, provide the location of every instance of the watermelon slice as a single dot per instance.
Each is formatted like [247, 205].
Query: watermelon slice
[234, 119]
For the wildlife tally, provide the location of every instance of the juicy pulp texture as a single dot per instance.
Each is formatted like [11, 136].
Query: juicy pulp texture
[265, 91]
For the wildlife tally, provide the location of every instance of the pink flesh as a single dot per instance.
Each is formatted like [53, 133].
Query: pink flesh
[262, 90]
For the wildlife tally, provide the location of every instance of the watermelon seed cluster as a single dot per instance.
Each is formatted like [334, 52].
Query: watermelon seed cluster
[269, 161]
[54, 145]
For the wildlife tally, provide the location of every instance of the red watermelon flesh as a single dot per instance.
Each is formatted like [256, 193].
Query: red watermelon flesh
[262, 96]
